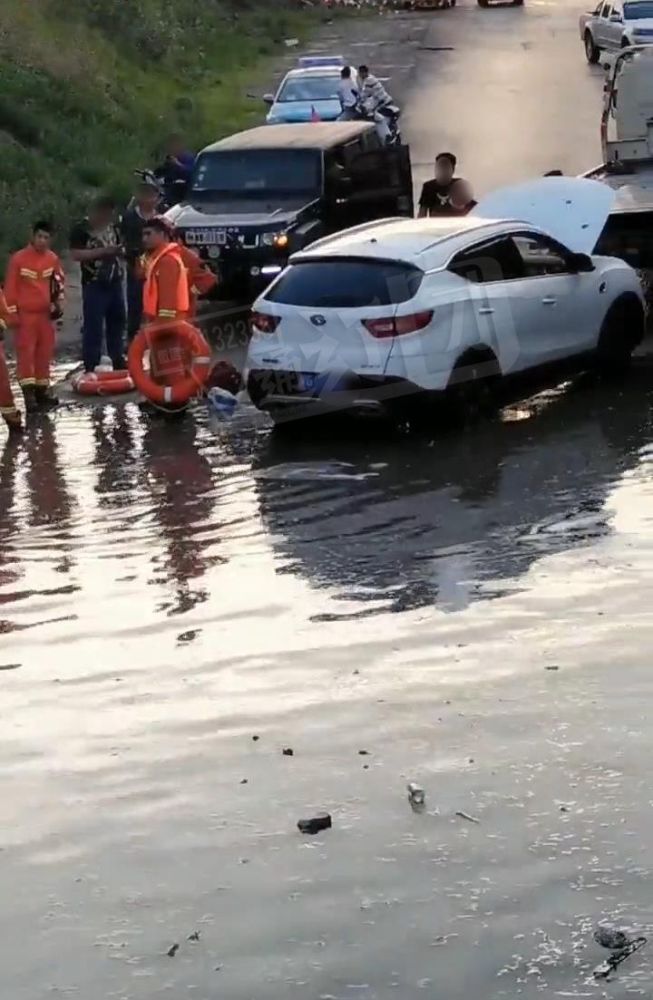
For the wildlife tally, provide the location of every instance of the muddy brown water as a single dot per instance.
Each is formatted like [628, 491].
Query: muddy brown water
[169, 593]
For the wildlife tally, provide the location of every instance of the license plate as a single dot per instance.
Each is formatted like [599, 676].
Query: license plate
[206, 237]
[317, 383]
[306, 383]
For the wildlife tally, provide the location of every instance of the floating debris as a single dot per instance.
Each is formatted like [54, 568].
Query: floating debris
[172, 950]
[195, 936]
[288, 752]
[609, 936]
[416, 797]
[470, 819]
[613, 962]
[315, 825]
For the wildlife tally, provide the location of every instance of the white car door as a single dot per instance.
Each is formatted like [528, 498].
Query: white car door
[506, 310]
[568, 306]
[615, 26]
[603, 31]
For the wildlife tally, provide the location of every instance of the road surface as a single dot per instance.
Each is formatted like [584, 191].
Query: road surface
[179, 604]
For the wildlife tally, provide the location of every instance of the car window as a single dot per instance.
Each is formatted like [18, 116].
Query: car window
[494, 260]
[346, 283]
[310, 88]
[540, 256]
[640, 8]
[606, 10]
[258, 172]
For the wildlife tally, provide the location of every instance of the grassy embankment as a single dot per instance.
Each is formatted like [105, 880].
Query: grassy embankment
[89, 88]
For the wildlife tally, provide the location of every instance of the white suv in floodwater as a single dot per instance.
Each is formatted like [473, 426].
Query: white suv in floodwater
[613, 25]
[395, 312]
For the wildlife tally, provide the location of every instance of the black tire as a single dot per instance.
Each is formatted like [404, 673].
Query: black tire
[592, 53]
[483, 3]
[622, 330]
[472, 389]
[518, 3]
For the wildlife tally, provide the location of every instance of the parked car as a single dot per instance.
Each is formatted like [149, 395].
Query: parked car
[400, 312]
[260, 195]
[614, 25]
[308, 92]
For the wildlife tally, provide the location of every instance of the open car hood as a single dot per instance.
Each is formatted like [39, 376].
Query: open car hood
[573, 210]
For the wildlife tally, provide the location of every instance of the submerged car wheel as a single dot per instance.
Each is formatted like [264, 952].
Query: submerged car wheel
[592, 53]
[473, 385]
[483, 3]
[623, 329]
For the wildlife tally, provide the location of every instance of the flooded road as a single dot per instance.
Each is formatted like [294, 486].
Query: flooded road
[179, 604]
[167, 595]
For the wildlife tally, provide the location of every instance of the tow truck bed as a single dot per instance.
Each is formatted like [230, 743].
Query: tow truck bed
[633, 184]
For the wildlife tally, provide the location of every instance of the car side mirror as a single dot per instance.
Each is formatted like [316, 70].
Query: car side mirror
[580, 263]
[268, 99]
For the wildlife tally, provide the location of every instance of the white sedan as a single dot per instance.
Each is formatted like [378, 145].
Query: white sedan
[401, 311]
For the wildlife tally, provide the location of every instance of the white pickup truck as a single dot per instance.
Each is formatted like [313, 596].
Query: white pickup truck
[627, 146]
[615, 24]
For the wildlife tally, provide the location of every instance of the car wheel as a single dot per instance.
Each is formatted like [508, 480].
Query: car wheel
[482, 3]
[622, 330]
[592, 53]
[518, 3]
[473, 385]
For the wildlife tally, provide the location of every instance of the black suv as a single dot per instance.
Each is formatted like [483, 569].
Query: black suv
[260, 195]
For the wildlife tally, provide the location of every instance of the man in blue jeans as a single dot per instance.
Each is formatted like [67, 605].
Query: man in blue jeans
[95, 245]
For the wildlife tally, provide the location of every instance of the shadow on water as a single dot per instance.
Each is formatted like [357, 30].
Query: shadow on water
[34, 497]
[405, 524]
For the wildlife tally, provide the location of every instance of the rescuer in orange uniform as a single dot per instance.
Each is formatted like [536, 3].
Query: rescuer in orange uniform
[166, 292]
[34, 293]
[8, 409]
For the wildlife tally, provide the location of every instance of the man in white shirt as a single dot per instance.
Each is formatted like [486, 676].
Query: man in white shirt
[347, 94]
[375, 98]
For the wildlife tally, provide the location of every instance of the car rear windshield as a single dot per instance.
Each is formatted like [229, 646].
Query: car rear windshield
[346, 284]
[258, 172]
[636, 11]
[310, 88]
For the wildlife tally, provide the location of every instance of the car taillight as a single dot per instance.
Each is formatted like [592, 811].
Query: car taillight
[396, 326]
[263, 322]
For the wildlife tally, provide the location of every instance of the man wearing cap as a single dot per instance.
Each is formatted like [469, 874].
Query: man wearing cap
[143, 209]
[166, 292]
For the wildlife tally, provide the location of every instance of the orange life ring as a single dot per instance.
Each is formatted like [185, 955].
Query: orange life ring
[180, 360]
[113, 383]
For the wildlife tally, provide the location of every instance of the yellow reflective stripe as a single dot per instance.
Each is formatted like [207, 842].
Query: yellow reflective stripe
[167, 313]
[195, 290]
[48, 273]
[9, 411]
[12, 309]
[27, 381]
[42, 382]
[26, 273]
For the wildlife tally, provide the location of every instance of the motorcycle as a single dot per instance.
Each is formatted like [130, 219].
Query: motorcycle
[391, 113]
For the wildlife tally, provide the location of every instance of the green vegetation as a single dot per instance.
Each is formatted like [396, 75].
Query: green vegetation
[89, 89]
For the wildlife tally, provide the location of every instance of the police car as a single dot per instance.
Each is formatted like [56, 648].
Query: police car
[309, 92]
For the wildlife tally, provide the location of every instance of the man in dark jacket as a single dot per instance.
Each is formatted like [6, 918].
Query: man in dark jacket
[144, 207]
[96, 246]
